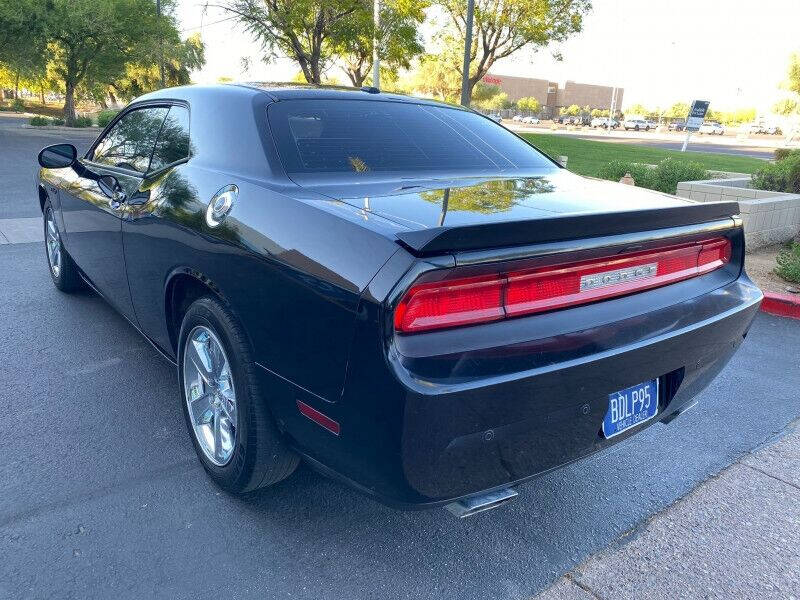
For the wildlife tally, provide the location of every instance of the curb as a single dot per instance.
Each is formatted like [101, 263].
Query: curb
[782, 305]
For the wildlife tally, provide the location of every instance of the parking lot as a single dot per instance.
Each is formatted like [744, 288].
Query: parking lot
[101, 494]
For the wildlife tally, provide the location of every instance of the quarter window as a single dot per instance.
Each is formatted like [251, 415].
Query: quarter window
[129, 143]
[173, 142]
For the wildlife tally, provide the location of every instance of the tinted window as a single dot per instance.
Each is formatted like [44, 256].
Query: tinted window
[356, 136]
[129, 143]
[173, 141]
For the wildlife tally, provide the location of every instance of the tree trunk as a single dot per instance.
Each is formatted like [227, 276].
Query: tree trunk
[16, 86]
[69, 104]
[41, 92]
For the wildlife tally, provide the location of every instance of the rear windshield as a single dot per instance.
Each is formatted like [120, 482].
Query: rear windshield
[361, 137]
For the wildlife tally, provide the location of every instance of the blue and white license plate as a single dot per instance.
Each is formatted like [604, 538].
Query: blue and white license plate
[630, 407]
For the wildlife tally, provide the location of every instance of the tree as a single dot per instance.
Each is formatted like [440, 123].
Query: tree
[490, 97]
[638, 110]
[573, 110]
[178, 57]
[90, 41]
[791, 105]
[679, 110]
[529, 103]
[22, 42]
[306, 31]
[435, 77]
[398, 37]
[502, 28]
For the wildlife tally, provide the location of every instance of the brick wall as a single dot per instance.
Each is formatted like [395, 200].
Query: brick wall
[768, 217]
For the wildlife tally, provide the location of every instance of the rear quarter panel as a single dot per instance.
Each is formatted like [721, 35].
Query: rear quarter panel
[291, 272]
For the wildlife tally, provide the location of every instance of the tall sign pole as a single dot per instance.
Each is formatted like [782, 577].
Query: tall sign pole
[696, 115]
[376, 59]
[465, 95]
[161, 49]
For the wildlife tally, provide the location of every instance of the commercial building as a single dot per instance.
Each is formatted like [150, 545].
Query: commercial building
[552, 97]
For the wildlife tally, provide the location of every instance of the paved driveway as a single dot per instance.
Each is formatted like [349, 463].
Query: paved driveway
[19, 148]
[101, 495]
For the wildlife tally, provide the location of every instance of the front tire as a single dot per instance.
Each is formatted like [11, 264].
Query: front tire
[226, 412]
[63, 271]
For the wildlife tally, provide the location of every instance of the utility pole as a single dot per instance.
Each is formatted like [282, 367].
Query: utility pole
[465, 95]
[160, 49]
[376, 59]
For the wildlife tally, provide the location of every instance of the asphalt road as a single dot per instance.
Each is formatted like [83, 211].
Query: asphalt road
[101, 495]
[18, 151]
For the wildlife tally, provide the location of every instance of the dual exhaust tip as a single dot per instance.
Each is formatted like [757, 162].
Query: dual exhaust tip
[466, 507]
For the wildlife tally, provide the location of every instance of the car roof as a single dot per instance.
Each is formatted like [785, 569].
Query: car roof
[277, 91]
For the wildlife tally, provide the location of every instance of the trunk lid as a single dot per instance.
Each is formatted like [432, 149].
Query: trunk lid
[475, 213]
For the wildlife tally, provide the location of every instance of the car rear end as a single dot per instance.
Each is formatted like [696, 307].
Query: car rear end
[528, 317]
[498, 365]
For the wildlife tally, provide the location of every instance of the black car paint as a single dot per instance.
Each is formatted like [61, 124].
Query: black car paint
[312, 272]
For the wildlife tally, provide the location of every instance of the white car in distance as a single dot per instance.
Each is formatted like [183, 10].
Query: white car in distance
[711, 128]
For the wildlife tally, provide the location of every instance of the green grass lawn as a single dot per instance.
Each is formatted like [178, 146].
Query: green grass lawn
[587, 156]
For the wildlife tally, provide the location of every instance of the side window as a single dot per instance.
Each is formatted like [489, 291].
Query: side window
[173, 143]
[129, 143]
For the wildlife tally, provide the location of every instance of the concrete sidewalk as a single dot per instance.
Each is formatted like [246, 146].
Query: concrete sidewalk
[735, 536]
[21, 231]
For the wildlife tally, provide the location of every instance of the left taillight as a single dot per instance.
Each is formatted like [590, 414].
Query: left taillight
[459, 301]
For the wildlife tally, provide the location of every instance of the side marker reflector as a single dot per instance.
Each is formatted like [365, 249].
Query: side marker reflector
[319, 418]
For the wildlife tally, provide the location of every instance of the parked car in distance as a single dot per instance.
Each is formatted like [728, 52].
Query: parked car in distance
[604, 122]
[491, 316]
[677, 126]
[769, 129]
[495, 117]
[531, 120]
[651, 124]
[636, 124]
[517, 118]
[711, 128]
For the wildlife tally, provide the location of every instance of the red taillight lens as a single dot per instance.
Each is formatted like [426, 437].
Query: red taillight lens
[464, 301]
[449, 303]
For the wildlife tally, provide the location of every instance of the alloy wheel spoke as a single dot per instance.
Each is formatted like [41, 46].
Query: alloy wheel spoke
[217, 433]
[201, 409]
[201, 360]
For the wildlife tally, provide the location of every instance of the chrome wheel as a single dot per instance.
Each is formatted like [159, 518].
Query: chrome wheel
[53, 243]
[210, 394]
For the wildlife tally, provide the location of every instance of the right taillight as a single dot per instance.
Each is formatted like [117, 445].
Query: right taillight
[459, 301]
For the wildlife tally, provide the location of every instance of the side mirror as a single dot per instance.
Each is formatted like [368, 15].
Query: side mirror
[59, 156]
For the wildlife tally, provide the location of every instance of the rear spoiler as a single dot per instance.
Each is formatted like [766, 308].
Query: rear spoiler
[438, 240]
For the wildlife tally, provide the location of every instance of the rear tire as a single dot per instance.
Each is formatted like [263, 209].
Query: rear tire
[253, 455]
[63, 270]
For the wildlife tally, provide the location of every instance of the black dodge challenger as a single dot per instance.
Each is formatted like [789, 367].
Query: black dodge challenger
[403, 293]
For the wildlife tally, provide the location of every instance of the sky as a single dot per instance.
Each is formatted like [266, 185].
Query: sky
[732, 52]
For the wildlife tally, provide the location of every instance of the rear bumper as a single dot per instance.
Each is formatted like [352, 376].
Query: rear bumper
[454, 416]
[457, 423]
[506, 432]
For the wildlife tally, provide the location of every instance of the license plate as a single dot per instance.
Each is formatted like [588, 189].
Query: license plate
[631, 407]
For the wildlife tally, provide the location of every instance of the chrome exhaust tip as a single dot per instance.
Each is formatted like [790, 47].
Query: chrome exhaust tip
[466, 507]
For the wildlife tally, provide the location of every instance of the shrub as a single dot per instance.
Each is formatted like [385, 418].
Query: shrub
[671, 171]
[57, 121]
[781, 153]
[105, 117]
[780, 176]
[664, 177]
[38, 121]
[4, 108]
[616, 169]
[788, 261]
[18, 105]
[83, 122]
